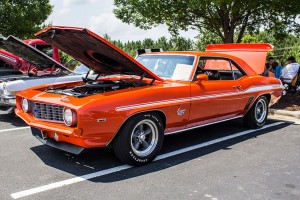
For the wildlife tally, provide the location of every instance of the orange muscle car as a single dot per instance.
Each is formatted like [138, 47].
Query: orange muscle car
[132, 103]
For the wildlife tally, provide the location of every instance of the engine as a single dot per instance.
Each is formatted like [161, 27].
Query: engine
[95, 87]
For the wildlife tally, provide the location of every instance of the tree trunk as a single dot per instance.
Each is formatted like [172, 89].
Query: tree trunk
[242, 31]
[227, 27]
[228, 35]
[228, 38]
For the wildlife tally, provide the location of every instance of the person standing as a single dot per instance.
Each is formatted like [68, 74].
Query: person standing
[268, 66]
[276, 70]
[290, 70]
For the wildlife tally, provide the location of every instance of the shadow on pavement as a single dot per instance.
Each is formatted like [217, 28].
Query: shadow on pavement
[96, 160]
[12, 119]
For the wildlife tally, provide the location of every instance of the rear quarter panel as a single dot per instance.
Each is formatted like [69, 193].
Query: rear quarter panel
[255, 86]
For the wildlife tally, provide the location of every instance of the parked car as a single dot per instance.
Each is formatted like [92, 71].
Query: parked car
[140, 101]
[11, 64]
[11, 84]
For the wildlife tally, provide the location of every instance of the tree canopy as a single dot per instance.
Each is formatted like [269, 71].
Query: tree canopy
[22, 18]
[289, 46]
[228, 19]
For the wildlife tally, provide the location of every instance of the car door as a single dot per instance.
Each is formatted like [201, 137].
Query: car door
[219, 97]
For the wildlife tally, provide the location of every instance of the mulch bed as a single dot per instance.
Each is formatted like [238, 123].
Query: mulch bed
[288, 102]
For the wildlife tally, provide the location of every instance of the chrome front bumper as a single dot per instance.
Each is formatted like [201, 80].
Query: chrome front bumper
[70, 148]
[8, 100]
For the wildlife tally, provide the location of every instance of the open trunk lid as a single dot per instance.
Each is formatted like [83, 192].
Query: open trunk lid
[253, 54]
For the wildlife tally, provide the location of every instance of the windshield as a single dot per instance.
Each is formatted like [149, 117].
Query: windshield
[175, 67]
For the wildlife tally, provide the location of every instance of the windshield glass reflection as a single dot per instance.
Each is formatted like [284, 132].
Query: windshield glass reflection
[175, 67]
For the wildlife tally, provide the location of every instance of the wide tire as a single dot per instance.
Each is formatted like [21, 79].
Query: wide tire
[140, 139]
[258, 113]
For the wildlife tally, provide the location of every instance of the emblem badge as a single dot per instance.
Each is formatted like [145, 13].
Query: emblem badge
[180, 111]
[65, 99]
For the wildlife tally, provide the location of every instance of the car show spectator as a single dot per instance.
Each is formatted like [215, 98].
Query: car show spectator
[268, 66]
[275, 70]
[290, 70]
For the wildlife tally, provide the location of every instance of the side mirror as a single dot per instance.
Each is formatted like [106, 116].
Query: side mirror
[201, 77]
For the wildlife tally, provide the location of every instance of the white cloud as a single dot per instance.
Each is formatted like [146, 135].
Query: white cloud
[107, 23]
[76, 2]
[98, 16]
[64, 11]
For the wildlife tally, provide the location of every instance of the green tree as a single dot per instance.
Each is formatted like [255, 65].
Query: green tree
[163, 43]
[181, 44]
[227, 19]
[148, 43]
[283, 48]
[206, 38]
[22, 18]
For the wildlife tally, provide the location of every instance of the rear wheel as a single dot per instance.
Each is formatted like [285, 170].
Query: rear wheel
[258, 113]
[140, 139]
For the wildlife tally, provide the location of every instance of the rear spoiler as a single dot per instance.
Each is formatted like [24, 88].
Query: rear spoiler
[253, 54]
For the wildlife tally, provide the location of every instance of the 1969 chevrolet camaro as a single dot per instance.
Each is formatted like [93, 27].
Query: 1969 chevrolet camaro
[133, 103]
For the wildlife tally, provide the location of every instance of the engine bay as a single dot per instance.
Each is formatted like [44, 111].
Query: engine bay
[95, 87]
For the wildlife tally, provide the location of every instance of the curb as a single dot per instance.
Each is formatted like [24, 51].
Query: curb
[295, 114]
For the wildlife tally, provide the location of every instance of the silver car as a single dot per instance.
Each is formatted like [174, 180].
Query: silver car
[52, 72]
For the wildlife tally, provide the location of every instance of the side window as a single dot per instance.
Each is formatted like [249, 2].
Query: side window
[218, 68]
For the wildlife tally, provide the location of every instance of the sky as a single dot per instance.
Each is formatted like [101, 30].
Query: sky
[98, 16]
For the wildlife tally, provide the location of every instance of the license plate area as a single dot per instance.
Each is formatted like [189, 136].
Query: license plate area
[38, 133]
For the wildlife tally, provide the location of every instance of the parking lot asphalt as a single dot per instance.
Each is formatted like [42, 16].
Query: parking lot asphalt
[217, 162]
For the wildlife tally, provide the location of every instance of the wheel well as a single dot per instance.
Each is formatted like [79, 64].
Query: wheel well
[268, 96]
[162, 117]
[158, 112]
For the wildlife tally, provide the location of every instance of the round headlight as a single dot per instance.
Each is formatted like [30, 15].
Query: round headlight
[25, 105]
[69, 117]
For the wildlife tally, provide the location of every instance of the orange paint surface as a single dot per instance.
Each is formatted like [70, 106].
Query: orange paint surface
[180, 104]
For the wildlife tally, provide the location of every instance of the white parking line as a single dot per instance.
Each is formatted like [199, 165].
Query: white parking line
[14, 129]
[59, 184]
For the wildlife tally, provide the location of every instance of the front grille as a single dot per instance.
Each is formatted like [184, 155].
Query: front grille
[47, 112]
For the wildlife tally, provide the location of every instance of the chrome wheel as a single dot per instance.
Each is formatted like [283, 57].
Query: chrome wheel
[260, 110]
[140, 139]
[144, 138]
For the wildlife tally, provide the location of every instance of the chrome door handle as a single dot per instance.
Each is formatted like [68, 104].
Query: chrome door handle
[237, 87]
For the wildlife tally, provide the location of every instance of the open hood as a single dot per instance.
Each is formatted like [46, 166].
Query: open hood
[29, 53]
[253, 54]
[94, 51]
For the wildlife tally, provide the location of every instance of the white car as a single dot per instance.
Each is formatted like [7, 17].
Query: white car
[54, 72]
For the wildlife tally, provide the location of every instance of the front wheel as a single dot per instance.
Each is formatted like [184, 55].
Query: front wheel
[258, 113]
[140, 139]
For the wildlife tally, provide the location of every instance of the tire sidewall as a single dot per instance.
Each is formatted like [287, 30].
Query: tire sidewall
[128, 129]
[260, 124]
